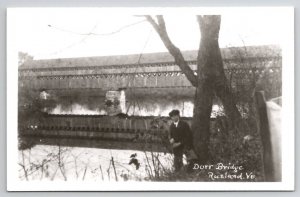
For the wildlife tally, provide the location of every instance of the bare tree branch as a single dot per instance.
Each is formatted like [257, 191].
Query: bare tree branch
[160, 28]
[161, 22]
[152, 22]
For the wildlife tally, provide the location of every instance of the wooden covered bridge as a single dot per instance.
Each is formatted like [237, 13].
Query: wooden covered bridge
[152, 83]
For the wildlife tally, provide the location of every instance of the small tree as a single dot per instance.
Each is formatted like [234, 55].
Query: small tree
[209, 79]
[24, 57]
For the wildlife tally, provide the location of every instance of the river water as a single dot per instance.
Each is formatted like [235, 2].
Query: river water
[63, 162]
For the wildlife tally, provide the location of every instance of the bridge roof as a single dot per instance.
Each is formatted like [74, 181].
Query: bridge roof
[152, 58]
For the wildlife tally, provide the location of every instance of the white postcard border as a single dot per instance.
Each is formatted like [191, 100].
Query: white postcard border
[288, 139]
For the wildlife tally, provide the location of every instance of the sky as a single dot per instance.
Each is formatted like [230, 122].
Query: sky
[47, 33]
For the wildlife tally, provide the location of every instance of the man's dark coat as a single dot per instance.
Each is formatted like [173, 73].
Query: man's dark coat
[183, 134]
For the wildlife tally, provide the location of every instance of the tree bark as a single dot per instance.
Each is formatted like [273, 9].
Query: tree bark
[207, 64]
[224, 93]
[211, 64]
[201, 119]
[211, 80]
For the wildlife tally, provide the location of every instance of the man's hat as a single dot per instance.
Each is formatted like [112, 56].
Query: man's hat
[174, 112]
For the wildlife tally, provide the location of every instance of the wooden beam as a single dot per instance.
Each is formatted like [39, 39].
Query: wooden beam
[265, 136]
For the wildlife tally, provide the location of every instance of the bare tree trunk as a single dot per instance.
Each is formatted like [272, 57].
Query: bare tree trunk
[207, 63]
[210, 78]
[201, 120]
[222, 87]
[210, 65]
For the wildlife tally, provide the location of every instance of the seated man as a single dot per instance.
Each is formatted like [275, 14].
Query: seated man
[180, 138]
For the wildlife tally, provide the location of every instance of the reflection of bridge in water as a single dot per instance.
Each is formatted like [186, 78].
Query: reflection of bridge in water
[136, 133]
[156, 82]
[101, 131]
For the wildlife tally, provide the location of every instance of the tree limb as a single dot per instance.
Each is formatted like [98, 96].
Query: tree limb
[160, 28]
